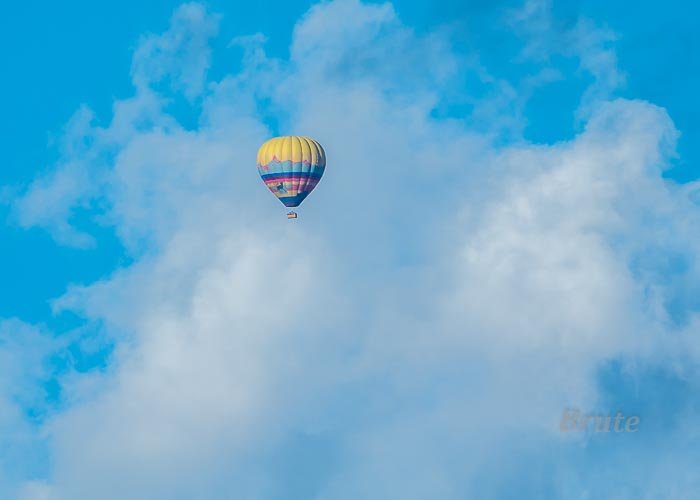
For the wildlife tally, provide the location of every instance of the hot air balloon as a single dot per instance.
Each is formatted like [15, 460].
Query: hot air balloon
[291, 166]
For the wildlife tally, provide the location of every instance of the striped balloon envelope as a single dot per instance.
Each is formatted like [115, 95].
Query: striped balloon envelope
[291, 166]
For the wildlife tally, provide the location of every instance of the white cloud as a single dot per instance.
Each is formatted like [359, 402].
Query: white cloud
[584, 40]
[23, 371]
[181, 54]
[438, 304]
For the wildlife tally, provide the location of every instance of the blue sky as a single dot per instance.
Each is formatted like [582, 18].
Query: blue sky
[46, 41]
[521, 240]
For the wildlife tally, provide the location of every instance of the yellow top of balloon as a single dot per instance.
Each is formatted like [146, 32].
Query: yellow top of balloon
[296, 149]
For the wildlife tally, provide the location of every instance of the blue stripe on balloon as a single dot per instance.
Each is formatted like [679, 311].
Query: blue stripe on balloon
[288, 171]
[293, 201]
[290, 175]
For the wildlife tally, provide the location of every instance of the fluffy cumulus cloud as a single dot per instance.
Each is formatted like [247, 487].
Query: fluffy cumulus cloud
[23, 374]
[419, 330]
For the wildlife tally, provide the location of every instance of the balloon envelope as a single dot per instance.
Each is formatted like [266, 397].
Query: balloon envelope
[290, 167]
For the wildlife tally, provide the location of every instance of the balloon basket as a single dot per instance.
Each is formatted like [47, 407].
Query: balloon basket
[291, 215]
